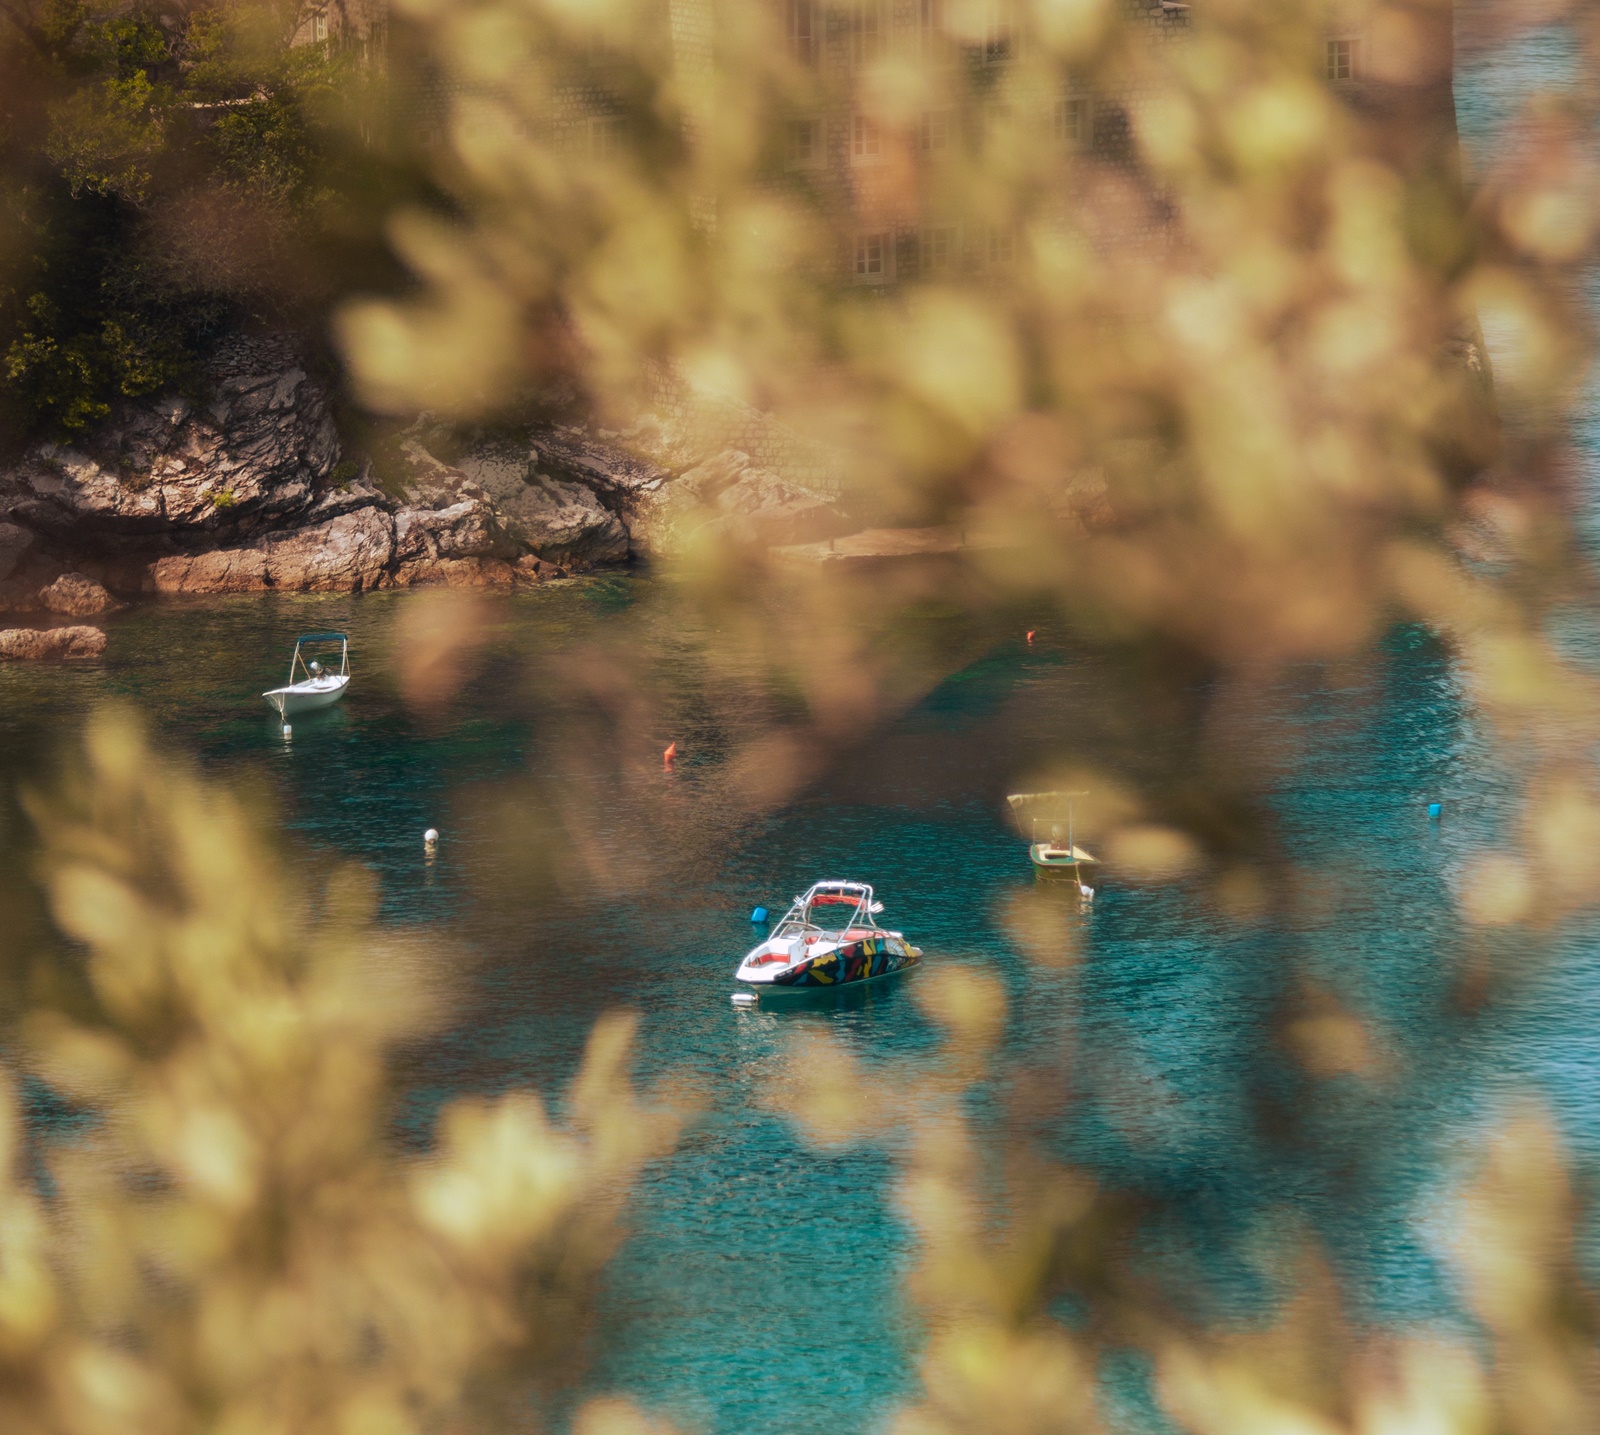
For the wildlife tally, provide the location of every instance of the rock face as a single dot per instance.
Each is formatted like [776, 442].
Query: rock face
[76, 596]
[14, 542]
[539, 506]
[728, 499]
[244, 488]
[576, 457]
[469, 528]
[78, 642]
[565, 524]
[254, 454]
[344, 554]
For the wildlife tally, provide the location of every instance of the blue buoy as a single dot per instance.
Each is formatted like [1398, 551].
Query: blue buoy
[1435, 808]
[759, 915]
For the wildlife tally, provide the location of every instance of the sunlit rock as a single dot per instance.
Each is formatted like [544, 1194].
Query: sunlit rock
[77, 596]
[346, 554]
[256, 453]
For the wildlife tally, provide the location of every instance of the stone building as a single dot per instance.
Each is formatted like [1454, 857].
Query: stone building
[899, 193]
[907, 219]
[364, 23]
[882, 179]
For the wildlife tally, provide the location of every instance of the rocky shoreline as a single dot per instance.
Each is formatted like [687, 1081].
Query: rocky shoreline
[251, 490]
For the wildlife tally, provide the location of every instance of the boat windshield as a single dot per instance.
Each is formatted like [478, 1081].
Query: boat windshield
[319, 658]
[830, 911]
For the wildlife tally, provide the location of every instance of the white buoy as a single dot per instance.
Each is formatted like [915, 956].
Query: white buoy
[430, 838]
[743, 998]
[287, 730]
[1086, 891]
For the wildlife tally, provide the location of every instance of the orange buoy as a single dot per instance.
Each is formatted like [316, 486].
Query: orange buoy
[669, 754]
[1031, 632]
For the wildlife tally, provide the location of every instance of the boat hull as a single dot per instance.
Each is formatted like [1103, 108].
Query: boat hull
[861, 961]
[303, 698]
[1052, 864]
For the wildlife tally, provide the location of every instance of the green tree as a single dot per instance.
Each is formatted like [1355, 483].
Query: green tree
[165, 176]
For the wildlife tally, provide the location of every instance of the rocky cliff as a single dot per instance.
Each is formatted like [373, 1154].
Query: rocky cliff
[248, 488]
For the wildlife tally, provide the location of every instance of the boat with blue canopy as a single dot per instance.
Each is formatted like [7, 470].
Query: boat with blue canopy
[313, 681]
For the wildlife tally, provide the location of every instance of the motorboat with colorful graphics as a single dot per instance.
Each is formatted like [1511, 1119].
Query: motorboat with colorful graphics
[311, 685]
[829, 938]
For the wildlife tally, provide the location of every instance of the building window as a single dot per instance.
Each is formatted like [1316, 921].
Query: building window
[866, 139]
[1002, 246]
[938, 250]
[999, 32]
[930, 25]
[874, 254]
[1111, 134]
[319, 27]
[1344, 59]
[802, 30]
[803, 146]
[1072, 122]
[867, 31]
[608, 136]
[935, 130]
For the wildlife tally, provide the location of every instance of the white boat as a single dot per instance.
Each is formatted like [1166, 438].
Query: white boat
[1054, 854]
[311, 685]
[830, 938]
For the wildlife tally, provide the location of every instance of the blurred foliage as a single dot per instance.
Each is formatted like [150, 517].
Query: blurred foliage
[1207, 389]
[228, 1239]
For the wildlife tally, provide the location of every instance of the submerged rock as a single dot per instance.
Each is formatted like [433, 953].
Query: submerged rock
[75, 642]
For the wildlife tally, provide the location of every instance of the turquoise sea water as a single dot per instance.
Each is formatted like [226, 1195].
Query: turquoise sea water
[748, 1242]
[760, 1294]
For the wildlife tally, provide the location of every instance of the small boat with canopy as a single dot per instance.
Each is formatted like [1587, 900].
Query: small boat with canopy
[1046, 820]
[829, 938]
[313, 680]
